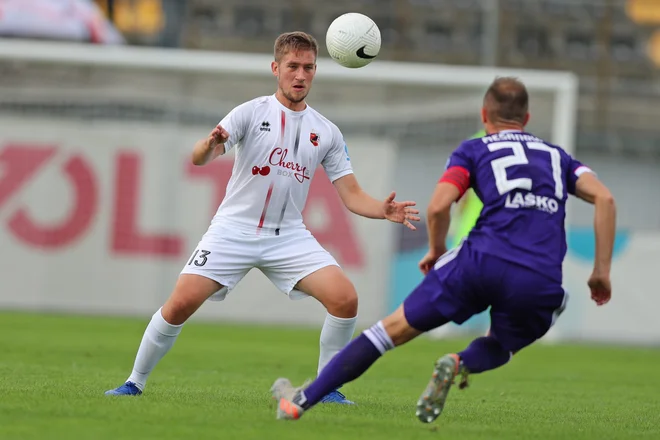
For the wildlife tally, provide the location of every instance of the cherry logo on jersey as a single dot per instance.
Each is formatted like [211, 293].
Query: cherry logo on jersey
[314, 139]
[277, 158]
[264, 171]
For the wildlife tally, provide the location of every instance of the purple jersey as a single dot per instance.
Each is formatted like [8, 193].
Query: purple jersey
[523, 183]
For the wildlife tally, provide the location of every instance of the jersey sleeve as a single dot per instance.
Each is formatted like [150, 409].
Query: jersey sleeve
[336, 162]
[236, 123]
[459, 169]
[575, 170]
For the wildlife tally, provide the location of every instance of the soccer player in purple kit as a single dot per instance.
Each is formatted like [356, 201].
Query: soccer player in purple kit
[511, 261]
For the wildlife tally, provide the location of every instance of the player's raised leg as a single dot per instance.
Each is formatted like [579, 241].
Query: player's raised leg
[332, 288]
[446, 294]
[189, 294]
[420, 312]
[349, 364]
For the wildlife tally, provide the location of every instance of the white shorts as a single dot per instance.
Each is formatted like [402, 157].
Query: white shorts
[226, 255]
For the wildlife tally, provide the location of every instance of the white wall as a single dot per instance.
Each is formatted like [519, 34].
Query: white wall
[636, 186]
[102, 217]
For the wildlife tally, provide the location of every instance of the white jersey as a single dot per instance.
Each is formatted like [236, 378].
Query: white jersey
[277, 152]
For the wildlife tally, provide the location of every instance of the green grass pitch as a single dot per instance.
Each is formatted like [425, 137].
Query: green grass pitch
[214, 384]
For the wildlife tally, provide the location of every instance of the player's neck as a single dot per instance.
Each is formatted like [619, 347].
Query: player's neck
[498, 128]
[293, 106]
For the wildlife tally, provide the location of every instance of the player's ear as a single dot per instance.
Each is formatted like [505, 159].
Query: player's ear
[484, 115]
[274, 67]
[526, 119]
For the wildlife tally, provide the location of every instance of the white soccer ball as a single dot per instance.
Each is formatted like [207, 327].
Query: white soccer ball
[353, 40]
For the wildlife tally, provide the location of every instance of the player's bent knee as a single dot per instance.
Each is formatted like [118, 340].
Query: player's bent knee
[350, 305]
[342, 304]
[177, 311]
[189, 294]
[333, 289]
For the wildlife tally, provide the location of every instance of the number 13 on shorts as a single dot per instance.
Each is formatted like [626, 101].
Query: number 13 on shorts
[199, 257]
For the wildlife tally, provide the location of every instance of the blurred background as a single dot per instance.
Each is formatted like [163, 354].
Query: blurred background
[100, 102]
[613, 45]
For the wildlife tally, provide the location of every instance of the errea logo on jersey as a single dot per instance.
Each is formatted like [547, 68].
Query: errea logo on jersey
[517, 200]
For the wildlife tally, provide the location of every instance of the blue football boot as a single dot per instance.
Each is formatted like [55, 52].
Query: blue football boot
[127, 389]
[336, 397]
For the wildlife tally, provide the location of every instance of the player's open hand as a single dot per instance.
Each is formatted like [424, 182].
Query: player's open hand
[400, 212]
[601, 288]
[219, 136]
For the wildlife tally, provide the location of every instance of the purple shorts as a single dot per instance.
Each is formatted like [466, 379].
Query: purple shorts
[523, 303]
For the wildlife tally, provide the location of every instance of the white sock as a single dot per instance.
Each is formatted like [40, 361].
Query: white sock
[335, 335]
[157, 340]
[379, 337]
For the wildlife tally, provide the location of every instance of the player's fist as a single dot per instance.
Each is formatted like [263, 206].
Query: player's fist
[601, 288]
[427, 263]
[219, 135]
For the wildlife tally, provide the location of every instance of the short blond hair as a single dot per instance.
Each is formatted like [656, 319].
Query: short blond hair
[294, 41]
[507, 100]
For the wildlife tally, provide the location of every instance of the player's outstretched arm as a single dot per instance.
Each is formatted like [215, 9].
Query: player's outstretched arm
[359, 202]
[590, 189]
[205, 150]
[437, 221]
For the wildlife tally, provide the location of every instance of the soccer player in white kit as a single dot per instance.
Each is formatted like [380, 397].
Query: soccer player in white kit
[280, 141]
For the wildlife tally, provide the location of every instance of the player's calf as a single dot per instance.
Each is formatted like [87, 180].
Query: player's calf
[484, 354]
[330, 286]
[398, 329]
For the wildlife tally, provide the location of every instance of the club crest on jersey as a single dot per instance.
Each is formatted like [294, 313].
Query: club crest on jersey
[314, 138]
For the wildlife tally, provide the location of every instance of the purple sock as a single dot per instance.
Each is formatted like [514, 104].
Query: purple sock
[347, 365]
[484, 354]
